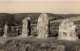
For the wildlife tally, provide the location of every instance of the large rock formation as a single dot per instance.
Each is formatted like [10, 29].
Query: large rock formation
[67, 30]
[5, 30]
[25, 27]
[42, 26]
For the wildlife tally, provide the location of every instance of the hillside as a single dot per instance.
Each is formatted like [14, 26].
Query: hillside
[17, 18]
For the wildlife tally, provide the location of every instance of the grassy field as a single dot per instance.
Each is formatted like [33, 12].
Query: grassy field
[35, 44]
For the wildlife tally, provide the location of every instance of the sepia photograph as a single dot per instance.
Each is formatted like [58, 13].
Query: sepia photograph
[39, 25]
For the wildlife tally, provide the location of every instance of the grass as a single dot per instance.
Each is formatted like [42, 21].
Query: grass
[35, 43]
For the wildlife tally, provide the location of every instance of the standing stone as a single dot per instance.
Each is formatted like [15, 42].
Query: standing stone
[25, 27]
[67, 30]
[42, 26]
[5, 30]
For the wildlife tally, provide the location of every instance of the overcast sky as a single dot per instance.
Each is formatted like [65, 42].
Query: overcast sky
[56, 7]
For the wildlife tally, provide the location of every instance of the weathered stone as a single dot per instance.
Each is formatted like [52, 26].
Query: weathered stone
[25, 27]
[42, 26]
[5, 30]
[67, 30]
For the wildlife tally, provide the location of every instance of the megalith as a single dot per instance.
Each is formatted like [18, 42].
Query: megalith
[5, 30]
[25, 27]
[67, 30]
[43, 26]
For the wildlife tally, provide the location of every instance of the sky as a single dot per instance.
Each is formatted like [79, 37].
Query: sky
[56, 7]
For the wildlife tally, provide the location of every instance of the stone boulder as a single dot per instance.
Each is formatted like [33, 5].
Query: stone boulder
[67, 30]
